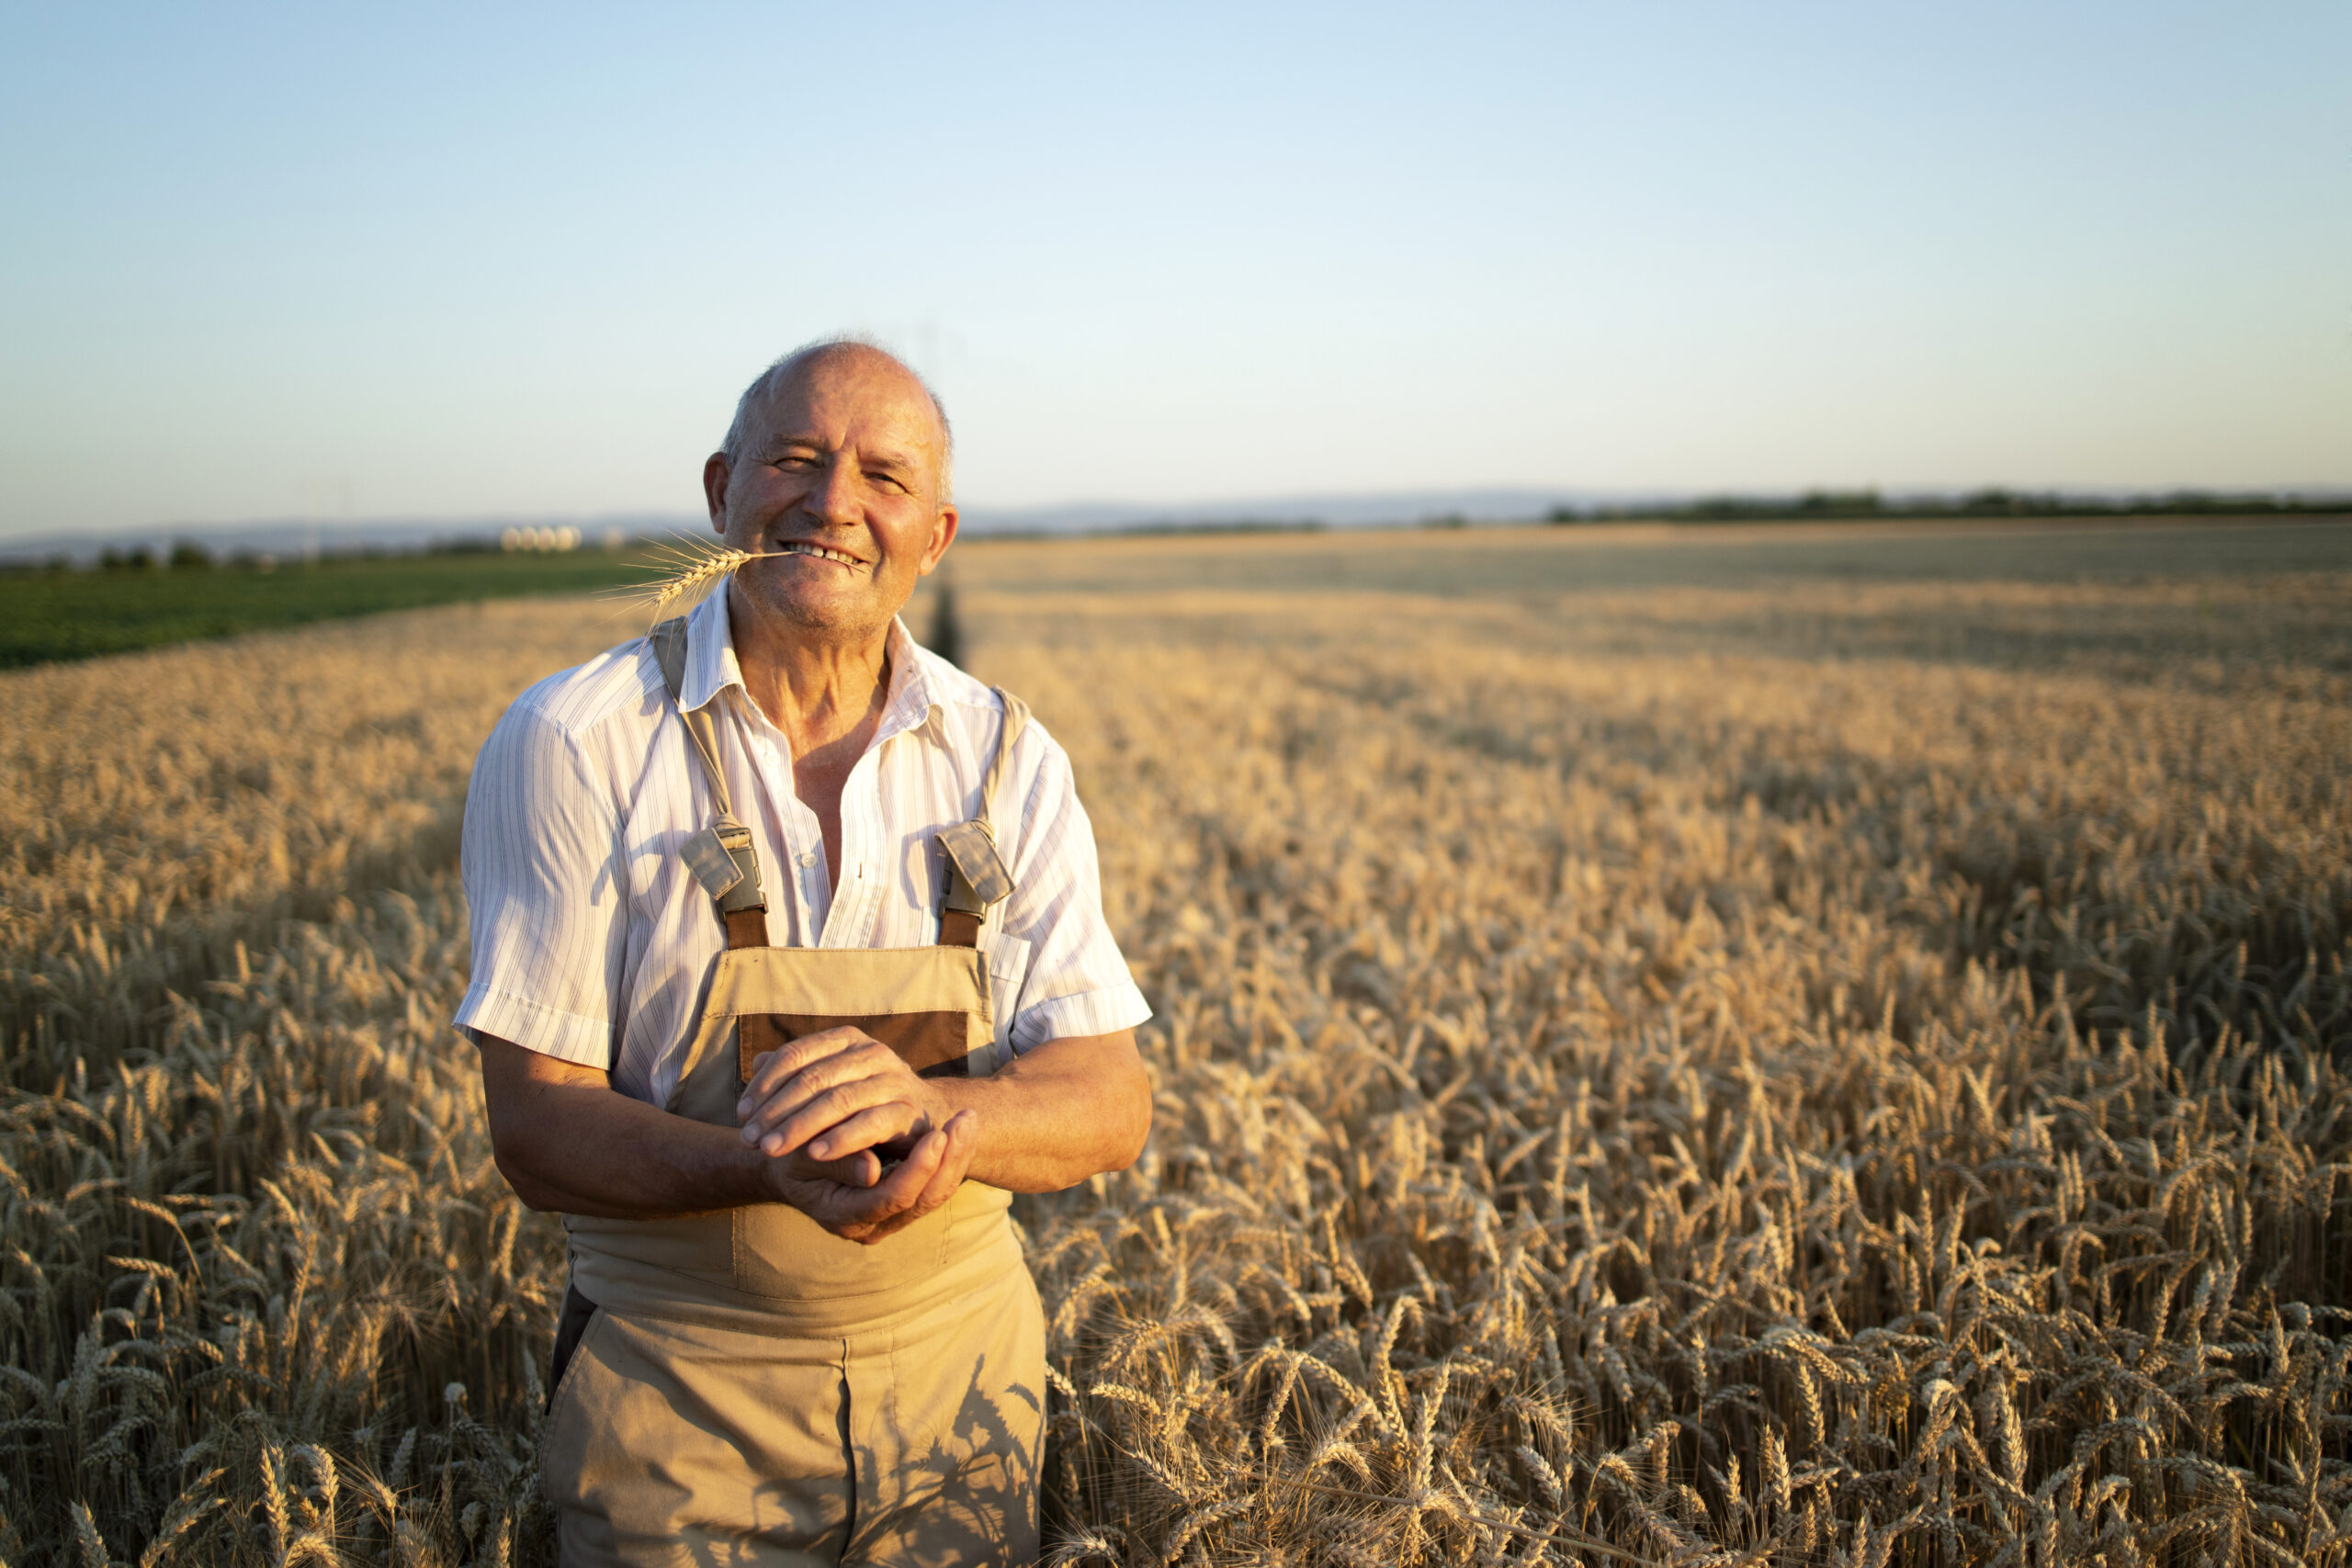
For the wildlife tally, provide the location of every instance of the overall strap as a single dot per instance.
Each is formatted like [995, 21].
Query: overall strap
[1016, 719]
[721, 856]
[977, 877]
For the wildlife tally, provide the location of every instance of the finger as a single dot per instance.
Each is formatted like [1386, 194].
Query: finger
[962, 1131]
[758, 1111]
[863, 1168]
[831, 1110]
[858, 1219]
[900, 1190]
[897, 1221]
[854, 1213]
[761, 1109]
[955, 1142]
[875, 1063]
[771, 1069]
[868, 1129]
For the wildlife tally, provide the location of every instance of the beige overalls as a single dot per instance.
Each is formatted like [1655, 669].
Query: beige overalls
[747, 1387]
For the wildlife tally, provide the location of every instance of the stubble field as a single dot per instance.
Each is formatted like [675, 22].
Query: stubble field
[1759, 1046]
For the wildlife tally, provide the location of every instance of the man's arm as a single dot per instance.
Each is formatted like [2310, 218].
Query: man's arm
[565, 1141]
[1069, 1108]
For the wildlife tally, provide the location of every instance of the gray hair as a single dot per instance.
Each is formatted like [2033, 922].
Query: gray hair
[764, 385]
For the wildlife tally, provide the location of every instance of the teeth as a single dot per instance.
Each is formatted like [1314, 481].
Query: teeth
[802, 548]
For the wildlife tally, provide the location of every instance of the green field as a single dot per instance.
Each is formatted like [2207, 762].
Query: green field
[51, 616]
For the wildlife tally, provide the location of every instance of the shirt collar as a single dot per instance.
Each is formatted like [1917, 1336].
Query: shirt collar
[712, 666]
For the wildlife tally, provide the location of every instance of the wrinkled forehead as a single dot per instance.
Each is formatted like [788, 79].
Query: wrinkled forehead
[852, 396]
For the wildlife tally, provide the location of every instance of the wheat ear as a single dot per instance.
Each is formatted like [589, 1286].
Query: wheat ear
[693, 570]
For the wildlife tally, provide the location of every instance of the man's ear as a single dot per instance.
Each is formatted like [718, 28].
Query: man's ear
[715, 473]
[943, 534]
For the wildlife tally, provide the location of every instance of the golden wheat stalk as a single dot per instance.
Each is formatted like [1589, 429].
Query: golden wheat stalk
[689, 569]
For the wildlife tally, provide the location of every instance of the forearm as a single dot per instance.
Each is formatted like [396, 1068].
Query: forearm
[1070, 1109]
[641, 1163]
[567, 1142]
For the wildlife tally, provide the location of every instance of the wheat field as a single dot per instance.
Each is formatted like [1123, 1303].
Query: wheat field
[1761, 1046]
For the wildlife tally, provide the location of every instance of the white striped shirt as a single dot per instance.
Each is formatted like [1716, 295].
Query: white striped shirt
[592, 941]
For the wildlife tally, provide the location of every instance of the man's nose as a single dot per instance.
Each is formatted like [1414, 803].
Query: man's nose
[836, 501]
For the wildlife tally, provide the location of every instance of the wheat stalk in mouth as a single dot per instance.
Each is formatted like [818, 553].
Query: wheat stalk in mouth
[692, 569]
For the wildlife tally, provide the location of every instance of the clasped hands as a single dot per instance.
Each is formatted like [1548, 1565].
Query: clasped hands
[829, 1109]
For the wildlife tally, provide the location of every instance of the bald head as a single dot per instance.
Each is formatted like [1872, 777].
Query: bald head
[753, 408]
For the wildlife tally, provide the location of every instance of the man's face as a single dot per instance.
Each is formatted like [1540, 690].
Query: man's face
[842, 472]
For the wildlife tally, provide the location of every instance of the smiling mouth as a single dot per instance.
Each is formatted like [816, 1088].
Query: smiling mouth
[803, 547]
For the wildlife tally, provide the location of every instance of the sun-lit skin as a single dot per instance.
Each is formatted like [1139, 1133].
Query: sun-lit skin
[843, 471]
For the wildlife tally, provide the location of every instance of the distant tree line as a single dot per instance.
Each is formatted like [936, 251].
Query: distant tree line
[188, 555]
[1993, 501]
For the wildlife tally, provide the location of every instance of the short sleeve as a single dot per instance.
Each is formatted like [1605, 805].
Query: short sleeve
[541, 857]
[1077, 982]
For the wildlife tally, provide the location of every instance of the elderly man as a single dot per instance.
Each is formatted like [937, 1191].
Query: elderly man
[789, 967]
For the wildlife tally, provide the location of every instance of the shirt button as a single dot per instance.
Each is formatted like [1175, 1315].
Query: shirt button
[809, 857]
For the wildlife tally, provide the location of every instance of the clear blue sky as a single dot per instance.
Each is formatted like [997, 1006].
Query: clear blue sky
[418, 262]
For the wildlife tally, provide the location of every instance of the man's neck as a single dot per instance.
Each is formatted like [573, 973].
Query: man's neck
[818, 688]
